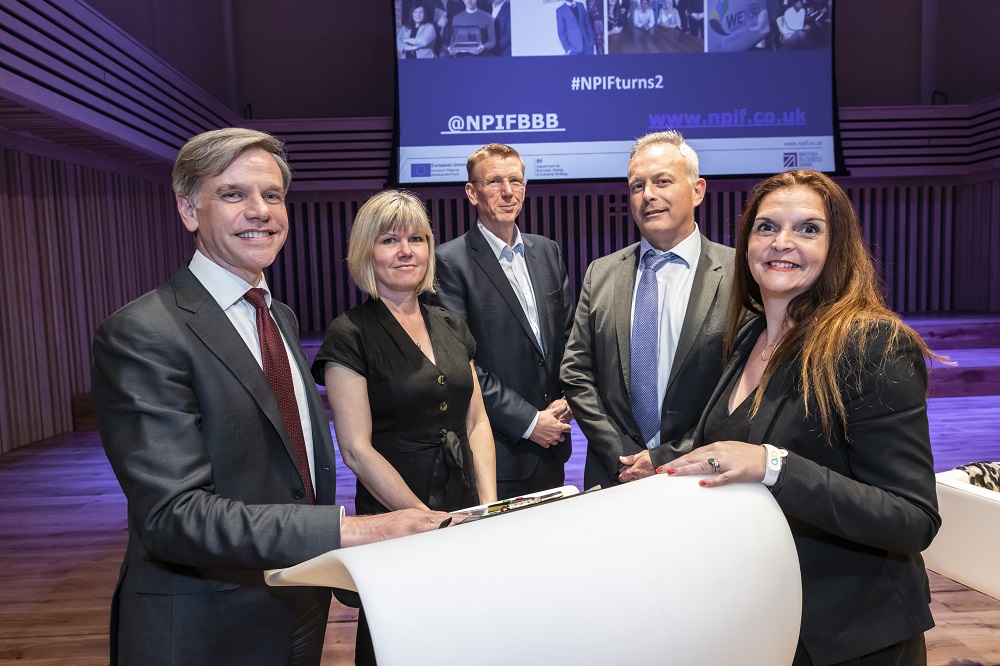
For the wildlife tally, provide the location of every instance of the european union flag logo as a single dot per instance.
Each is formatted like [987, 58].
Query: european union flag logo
[420, 170]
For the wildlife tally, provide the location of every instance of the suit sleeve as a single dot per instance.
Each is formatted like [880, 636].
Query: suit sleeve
[151, 420]
[509, 413]
[561, 28]
[888, 500]
[582, 386]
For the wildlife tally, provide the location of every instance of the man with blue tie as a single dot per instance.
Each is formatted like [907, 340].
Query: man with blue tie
[646, 348]
[512, 290]
[576, 33]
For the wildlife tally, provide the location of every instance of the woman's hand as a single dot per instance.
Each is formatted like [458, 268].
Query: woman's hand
[738, 462]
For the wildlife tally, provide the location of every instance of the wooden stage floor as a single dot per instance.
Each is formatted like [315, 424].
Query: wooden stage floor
[63, 532]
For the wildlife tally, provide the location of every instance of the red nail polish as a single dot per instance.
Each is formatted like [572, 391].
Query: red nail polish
[661, 469]
[703, 482]
[671, 471]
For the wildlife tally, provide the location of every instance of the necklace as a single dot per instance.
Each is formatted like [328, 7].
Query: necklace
[764, 356]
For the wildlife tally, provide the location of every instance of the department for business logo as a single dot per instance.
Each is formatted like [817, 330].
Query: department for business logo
[495, 123]
[726, 18]
[791, 160]
[420, 170]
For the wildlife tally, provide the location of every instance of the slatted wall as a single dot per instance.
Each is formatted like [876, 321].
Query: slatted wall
[910, 229]
[79, 242]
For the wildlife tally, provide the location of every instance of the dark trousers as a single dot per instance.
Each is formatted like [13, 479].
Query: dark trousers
[911, 652]
[548, 474]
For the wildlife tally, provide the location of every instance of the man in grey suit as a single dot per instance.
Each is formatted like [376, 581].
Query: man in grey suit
[513, 291]
[646, 352]
[220, 484]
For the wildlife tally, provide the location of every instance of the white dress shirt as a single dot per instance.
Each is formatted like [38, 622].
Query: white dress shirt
[511, 260]
[228, 289]
[673, 281]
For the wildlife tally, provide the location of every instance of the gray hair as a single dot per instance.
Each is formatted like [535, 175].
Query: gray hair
[209, 154]
[674, 138]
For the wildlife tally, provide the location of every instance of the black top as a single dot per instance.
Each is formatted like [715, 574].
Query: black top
[418, 408]
[720, 425]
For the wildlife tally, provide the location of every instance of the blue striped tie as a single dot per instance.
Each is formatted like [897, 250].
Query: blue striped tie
[645, 357]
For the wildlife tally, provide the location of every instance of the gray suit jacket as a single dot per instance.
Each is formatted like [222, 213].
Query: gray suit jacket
[516, 377]
[595, 370]
[196, 439]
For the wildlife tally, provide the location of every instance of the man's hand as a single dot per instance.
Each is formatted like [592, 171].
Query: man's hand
[637, 466]
[359, 530]
[560, 409]
[551, 428]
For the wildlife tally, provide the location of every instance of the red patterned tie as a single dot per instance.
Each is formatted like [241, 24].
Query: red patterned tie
[279, 376]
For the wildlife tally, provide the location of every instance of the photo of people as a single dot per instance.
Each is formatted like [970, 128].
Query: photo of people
[769, 25]
[558, 27]
[656, 26]
[452, 28]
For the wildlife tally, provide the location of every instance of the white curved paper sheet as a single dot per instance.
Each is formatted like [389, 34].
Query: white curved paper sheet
[657, 571]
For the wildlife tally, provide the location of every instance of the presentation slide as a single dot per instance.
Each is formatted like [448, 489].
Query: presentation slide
[749, 83]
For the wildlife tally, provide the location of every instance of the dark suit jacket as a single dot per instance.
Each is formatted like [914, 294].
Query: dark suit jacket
[501, 25]
[516, 377]
[861, 508]
[576, 36]
[595, 370]
[196, 439]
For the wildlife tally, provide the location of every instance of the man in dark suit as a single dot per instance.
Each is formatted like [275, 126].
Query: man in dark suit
[513, 292]
[225, 476]
[501, 26]
[575, 30]
[635, 402]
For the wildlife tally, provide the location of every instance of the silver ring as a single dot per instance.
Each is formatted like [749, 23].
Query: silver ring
[715, 465]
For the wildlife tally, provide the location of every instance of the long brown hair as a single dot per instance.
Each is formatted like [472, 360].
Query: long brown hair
[843, 305]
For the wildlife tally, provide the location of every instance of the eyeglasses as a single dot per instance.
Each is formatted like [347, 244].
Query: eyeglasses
[498, 183]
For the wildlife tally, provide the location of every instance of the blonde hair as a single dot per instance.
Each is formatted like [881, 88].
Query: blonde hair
[491, 150]
[389, 210]
[208, 154]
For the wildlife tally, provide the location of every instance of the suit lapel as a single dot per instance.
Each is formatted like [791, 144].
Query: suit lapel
[777, 392]
[539, 286]
[624, 285]
[213, 328]
[704, 289]
[483, 255]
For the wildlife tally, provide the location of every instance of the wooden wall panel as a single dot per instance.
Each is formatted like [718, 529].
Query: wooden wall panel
[79, 243]
[910, 229]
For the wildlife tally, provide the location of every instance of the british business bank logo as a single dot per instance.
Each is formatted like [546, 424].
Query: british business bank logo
[420, 170]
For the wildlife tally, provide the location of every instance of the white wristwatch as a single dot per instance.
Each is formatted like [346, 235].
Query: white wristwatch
[775, 461]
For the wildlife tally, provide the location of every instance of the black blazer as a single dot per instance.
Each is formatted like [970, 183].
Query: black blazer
[861, 508]
[517, 378]
[595, 371]
[195, 436]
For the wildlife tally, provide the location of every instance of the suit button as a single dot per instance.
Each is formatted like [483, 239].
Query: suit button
[443, 406]
[298, 493]
[544, 397]
[441, 379]
[541, 362]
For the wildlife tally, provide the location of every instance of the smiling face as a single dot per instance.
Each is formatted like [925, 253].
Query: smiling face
[498, 204]
[788, 243]
[662, 196]
[399, 261]
[418, 15]
[240, 220]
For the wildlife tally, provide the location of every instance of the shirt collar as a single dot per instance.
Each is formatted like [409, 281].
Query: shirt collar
[688, 249]
[497, 244]
[226, 288]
